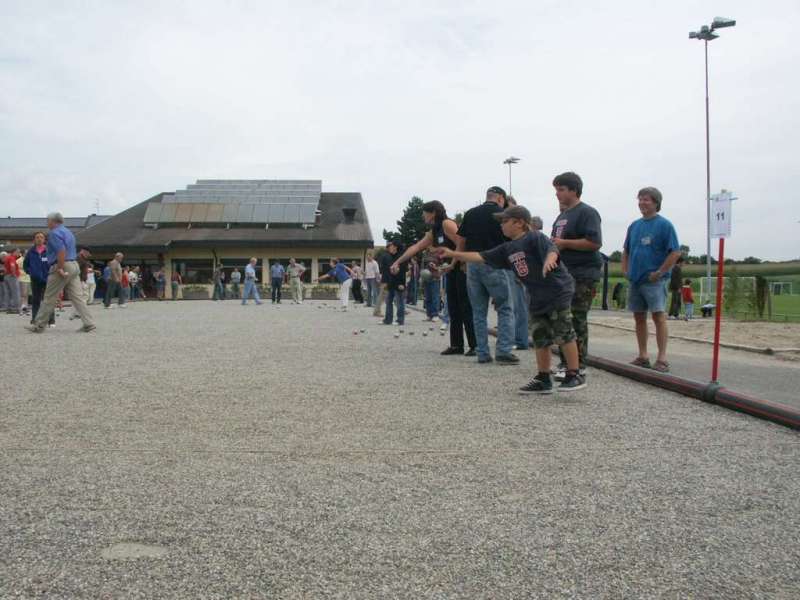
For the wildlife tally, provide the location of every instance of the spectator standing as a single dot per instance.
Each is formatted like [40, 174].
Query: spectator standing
[651, 250]
[114, 281]
[413, 282]
[372, 277]
[64, 274]
[276, 273]
[395, 285]
[688, 299]
[236, 280]
[480, 232]
[3, 293]
[176, 283]
[161, 282]
[219, 288]
[358, 279]
[37, 268]
[577, 233]
[12, 273]
[675, 288]
[133, 281]
[296, 271]
[384, 262]
[24, 284]
[250, 280]
[125, 284]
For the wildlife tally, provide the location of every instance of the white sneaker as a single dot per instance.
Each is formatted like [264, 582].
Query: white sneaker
[123, 306]
[434, 319]
[443, 327]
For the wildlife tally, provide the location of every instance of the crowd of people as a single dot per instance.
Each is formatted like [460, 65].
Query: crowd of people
[540, 286]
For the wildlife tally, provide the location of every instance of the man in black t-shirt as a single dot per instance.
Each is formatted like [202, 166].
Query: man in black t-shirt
[577, 235]
[480, 231]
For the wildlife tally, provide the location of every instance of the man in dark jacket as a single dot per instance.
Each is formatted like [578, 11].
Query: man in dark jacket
[385, 261]
[395, 285]
[36, 266]
[675, 284]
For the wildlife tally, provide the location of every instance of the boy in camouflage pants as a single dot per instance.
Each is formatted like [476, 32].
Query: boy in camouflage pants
[535, 261]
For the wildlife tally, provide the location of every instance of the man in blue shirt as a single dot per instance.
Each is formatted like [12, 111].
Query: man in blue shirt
[64, 275]
[341, 273]
[651, 250]
[250, 287]
[276, 273]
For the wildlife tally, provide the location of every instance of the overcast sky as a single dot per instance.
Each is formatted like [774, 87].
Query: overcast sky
[118, 101]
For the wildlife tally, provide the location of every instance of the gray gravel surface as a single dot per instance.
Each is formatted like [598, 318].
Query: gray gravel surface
[261, 452]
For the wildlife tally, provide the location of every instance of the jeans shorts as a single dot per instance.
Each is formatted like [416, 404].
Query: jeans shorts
[648, 297]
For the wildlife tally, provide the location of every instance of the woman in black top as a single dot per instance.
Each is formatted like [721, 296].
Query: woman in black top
[444, 232]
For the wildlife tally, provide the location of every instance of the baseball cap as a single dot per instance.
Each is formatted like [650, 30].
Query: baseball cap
[496, 189]
[514, 212]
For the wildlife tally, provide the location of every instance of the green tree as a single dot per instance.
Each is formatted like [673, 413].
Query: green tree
[458, 218]
[615, 256]
[411, 226]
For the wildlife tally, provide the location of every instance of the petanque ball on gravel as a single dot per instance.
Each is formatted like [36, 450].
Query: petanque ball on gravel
[363, 331]
[441, 333]
[425, 334]
[396, 335]
[410, 333]
[355, 331]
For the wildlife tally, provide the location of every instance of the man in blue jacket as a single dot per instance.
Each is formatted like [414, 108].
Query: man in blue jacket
[37, 267]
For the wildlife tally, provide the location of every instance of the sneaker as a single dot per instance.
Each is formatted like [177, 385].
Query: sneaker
[537, 386]
[87, 328]
[559, 372]
[572, 382]
[482, 360]
[452, 351]
[443, 327]
[123, 306]
[471, 352]
[434, 319]
[507, 359]
[52, 325]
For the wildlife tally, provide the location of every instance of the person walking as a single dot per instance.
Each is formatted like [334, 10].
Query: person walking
[577, 233]
[675, 287]
[341, 273]
[37, 268]
[176, 281]
[395, 285]
[372, 277]
[64, 274]
[650, 251]
[12, 273]
[217, 279]
[236, 280]
[535, 260]
[481, 232]
[296, 271]
[444, 233]
[250, 288]
[114, 281]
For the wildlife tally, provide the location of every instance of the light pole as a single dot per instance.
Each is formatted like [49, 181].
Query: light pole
[706, 33]
[511, 160]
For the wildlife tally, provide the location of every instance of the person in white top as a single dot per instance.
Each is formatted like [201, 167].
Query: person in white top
[133, 282]
[296, 271]
[372, 275]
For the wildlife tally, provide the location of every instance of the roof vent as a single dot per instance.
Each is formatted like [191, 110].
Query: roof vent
[349, 214]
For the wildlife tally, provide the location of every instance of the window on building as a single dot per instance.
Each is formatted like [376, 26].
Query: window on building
[194, 271]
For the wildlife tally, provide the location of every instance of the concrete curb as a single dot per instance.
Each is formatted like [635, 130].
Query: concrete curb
[755, 349]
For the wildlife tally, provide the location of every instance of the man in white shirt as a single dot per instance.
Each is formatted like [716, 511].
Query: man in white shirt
[372, 276]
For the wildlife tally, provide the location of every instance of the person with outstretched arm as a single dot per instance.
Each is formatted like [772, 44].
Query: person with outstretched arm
[535, 261]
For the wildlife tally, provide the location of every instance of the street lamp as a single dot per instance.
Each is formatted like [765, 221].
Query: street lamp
[706, 33]
[511, 160]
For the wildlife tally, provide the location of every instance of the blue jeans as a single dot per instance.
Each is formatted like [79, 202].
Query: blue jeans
[520, 297]
[485, 282]
[644, 297]
[372, 291]
[411, 292]
[392, 296]
[250, 288]
[432, 290]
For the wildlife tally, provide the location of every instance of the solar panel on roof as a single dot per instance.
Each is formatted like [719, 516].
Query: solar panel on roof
[230, 213]
[153, 212]
[199, 212]
[245, 213]
[214, 213]
[168, 213]
[183, 213]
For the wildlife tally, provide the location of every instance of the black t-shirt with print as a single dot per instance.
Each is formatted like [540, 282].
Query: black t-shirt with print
[577, 223]
[525, 257]
[480, 229]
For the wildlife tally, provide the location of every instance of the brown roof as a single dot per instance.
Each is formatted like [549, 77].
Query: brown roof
[21, 228]
[126, 230]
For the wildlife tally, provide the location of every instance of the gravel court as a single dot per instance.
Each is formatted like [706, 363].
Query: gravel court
[273, 453]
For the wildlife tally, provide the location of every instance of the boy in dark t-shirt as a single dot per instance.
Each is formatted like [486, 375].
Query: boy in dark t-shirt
[535, 261]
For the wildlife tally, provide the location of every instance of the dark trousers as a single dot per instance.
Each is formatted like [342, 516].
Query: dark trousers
[675, 304]
[357, 295]
[277, 282]
[459, 309]
[37, 295]
[113, 288]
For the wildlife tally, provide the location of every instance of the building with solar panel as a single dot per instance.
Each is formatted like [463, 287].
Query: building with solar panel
[226, 222]
[18, 232]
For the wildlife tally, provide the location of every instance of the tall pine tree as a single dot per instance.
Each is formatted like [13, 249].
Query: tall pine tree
[411, 226]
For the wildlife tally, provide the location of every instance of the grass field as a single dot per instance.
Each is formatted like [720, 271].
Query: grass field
[784, 307]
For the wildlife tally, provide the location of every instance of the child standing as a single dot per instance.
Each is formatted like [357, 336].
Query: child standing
[535, 261]
[688, 299]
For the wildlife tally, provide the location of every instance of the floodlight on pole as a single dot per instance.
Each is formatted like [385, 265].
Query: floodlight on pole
[706, 34]
[511, 160]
